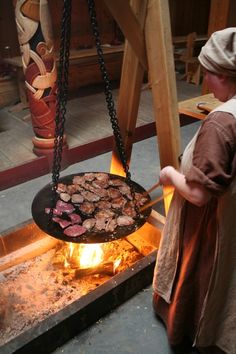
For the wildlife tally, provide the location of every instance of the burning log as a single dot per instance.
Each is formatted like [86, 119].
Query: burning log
[105, 268]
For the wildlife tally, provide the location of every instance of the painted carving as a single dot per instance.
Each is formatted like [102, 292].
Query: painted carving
[39, 65]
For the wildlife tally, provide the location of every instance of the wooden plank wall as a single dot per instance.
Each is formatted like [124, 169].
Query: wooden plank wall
[184, 19]
[190, 15]
[81, 35]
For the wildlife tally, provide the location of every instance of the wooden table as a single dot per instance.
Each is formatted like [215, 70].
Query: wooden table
[198, 107]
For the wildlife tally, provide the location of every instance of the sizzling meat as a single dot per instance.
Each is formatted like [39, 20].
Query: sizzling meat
[95, 202]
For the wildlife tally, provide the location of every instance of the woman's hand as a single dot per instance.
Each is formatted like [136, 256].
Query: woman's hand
[166, 175]
[193, 192]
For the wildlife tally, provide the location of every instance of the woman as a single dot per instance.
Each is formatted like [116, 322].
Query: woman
[195, 275]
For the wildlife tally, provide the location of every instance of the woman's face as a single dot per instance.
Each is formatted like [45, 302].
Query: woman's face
[216, 85]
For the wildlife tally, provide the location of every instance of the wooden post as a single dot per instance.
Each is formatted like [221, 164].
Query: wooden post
[162, 80]
[39, 65]
[161, 73]
[154, 18]
[130, 85]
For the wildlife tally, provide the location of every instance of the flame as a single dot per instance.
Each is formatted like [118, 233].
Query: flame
[168, 198]
[84, 256]
[90, 255]
[116, 166]
[116, 264]
[87, 256]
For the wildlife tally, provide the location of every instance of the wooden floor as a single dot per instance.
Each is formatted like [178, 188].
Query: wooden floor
[87, 120]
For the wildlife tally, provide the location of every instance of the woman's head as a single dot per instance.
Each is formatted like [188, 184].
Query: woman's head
[218, 55]
[218, 59]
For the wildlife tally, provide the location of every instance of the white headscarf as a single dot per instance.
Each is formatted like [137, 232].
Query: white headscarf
[218, 55]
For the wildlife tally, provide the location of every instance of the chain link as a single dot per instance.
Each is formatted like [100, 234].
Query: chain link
[110, 102]
[62, 93]
[108, 91]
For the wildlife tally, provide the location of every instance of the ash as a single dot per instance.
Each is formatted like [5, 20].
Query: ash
[38, 288]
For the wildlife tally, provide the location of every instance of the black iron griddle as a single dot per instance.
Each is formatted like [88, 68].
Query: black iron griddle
[42, 200]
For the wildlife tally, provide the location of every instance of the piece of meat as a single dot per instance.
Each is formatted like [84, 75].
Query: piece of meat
[129, 209]
[114, 193]
[125, 189]
[71, 189]
[62, 222]
[91, 197]
[117, 182]
[87, 208]
[78, 180]
[75, 230]
[111, 225]
[102, 192]
[100, 183]
[118, 203]
[103, 204]
[55, 211]
[106, 214]
[61, 187]
[101, 176]
[141, 199]
[75, 218]
[89, 223]
[64, 207]
[65, 197]
[89, 176]
[124, 220]
[77, 198]
[88, 187]
[101, 224]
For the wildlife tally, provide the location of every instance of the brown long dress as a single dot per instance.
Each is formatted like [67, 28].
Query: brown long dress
[189, 246]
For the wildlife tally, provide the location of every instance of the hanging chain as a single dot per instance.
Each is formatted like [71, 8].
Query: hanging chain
[62, 93]
[110, 102]
[108, 91]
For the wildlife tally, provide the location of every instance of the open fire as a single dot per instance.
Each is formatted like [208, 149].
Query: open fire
[46, 282]
[88, 258]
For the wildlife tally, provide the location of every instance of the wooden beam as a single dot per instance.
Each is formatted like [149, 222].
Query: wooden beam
[219, 18]
[163, 82]
[219, 14]
[129, 93]
[130, 26]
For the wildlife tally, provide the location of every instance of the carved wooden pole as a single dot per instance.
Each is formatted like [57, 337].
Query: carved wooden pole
[36, 43]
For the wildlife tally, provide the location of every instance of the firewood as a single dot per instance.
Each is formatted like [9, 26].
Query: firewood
[106, 268]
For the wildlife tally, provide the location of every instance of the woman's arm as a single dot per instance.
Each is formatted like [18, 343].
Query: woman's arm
[193, 192]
